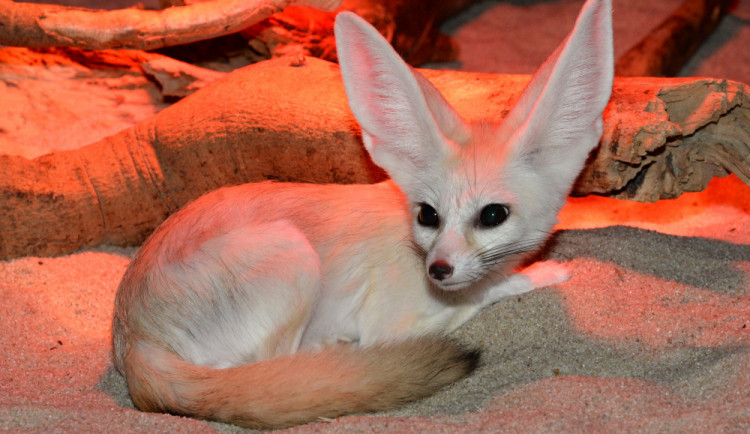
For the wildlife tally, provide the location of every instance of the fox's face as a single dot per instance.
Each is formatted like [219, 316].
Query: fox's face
[482, 195]
[484, 211]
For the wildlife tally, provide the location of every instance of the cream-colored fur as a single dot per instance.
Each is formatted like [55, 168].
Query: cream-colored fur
[269, 305]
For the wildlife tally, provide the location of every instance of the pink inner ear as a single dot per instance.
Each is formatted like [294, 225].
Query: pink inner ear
[386, 100]
[370, 69]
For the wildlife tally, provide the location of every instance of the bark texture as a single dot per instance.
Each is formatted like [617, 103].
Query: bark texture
[411, 26]
[662, 137]
[44, 25]
[272, 27]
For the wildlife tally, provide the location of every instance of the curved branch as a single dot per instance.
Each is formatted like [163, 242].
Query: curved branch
[41, 25]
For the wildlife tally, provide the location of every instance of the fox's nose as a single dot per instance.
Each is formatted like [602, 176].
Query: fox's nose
[440, 270]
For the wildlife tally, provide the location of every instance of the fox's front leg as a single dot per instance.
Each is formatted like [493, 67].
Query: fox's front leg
[537, 275]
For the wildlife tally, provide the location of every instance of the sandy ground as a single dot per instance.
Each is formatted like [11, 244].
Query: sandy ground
[651, 334]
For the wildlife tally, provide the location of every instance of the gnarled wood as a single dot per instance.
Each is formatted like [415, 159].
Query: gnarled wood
[411, 26]
[43, 25]
[661, 137]
[664, 137]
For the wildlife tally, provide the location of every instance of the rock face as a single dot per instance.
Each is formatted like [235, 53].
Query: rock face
[288, 120]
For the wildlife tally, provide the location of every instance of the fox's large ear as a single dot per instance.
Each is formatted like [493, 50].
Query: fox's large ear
[558, 119]
[407, 126]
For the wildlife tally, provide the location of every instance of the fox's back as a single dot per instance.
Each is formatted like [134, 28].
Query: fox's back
[328, 215]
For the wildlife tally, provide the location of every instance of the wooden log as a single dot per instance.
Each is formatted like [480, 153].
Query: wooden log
[663, 137]
[44, 25]
[266, 121]
[238, 129]
[411, 26]
[668, 47]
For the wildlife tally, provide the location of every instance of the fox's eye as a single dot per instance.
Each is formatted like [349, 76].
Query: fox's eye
[428, 216]
[493, 215]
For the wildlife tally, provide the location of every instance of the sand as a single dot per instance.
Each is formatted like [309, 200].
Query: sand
[650, 334]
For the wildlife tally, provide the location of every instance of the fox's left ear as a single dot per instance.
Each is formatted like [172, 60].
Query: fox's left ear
[558, 119]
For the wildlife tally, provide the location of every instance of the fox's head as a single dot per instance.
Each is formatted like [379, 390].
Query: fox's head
[483, 196]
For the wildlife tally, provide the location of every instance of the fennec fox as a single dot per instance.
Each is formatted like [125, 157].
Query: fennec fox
[268, 305]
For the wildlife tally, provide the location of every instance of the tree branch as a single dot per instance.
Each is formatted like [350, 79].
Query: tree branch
[42, 25]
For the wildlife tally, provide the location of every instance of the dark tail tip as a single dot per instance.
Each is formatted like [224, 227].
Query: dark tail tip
[471, 358]
[450, 359]
[465, 359]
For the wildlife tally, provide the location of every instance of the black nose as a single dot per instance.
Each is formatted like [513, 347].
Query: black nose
[440, 270]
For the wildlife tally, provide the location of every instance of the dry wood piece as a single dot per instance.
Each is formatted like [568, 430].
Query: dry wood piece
[666, 49]
[662, 137]
[118, 189]
[411, 26]
[42, 25]
[177, 79]
[666, 137]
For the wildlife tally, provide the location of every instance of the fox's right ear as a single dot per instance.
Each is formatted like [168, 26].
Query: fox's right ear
[558, 119]
[407, 127]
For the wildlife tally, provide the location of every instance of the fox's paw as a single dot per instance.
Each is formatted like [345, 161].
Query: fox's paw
[546, 273]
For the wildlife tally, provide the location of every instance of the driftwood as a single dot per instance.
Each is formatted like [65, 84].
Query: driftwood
[44, 25]
[662, 137]
[668, 47]
[411, 26]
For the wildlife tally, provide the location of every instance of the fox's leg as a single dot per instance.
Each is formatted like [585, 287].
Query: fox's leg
[537, 275]
[249, 294]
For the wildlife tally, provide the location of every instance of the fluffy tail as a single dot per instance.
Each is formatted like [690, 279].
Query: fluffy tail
[300, 388]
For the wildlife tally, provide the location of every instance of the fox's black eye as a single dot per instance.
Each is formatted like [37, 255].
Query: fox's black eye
[428, 216]
[493, 215]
